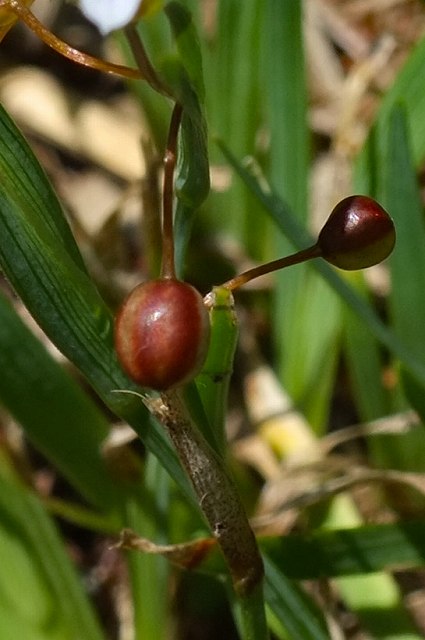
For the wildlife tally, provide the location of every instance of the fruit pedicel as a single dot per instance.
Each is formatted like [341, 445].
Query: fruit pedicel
[162, 329]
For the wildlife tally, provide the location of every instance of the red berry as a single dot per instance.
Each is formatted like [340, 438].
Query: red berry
[358, 234]
[162, 333]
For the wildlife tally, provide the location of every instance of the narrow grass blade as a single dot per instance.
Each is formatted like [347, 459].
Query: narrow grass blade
[292, 607]
[149, 573]
[312, 344]
[299, 295]
[64, 301]
[408, 90]
[184, 74]
[402, 197]
[188, 45]
[250, 615]
[364, 360]
[286, 97]
[38, 584]
[23, 179]
[403, 200]
[57, 416]
[234, 111]
[345, 552]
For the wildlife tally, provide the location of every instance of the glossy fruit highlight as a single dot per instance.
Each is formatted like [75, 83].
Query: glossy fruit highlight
[358, 234]
[162, 333]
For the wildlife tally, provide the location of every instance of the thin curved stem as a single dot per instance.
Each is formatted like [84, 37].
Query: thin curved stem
[275, 265]
[142, 60]
[168, 264]
[24, 14]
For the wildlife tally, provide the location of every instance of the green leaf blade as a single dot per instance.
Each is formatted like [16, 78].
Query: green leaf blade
[403, 200]
[29, 540]
[66, 304]
[23, 179]
[292, 607]
[58, 417]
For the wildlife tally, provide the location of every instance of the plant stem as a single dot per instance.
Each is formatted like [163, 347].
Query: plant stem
[52, 41]
[251, 615]
[280, 263]
[142, 60]
[168, 266]
[216, 493]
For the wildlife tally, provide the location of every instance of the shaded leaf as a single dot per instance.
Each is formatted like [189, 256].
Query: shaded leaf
[38, 585]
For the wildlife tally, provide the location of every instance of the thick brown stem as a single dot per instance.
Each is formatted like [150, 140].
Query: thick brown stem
[218, 498]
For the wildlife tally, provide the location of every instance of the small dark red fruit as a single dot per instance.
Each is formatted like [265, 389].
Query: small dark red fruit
[162, 333]
[358, 234]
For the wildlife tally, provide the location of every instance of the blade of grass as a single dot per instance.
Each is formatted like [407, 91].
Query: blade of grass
[58, 417]
[402, 197]
[233, 106]
[299, 294]
[149, 574]
[184, 76]
[312, 353]
[250, 615]
[384, 594]
[407, 89]
[389, 162]
[286, 92]
[364, 362]
[65, 302]
[41, 553]
[385, 169]
[397, 184]
[344, 552]
[291, 606]
[362, 350]
[26, 184]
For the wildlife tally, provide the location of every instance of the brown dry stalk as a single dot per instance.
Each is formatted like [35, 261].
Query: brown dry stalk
[217, 495]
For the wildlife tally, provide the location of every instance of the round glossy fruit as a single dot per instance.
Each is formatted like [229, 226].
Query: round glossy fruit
[162, 333]
[358, 234]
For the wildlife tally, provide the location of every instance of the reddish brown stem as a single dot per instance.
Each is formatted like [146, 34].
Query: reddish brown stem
[168, 266]
[64, 49]
[275, 265]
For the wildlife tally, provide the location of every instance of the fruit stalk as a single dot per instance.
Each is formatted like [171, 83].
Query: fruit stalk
[216, 493]
[280, 263]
